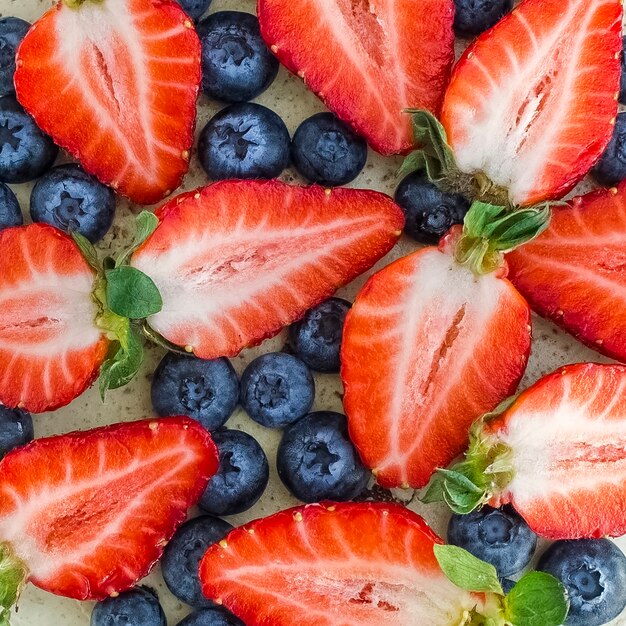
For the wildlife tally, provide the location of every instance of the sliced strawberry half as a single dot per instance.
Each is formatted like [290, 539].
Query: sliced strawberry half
[50, 346]
[366, 563]
[574, 273]
[557, 454]
[427, 348]
[367, 61]
[238, 260]
[115, 83]
[89, 513]
[532, 102]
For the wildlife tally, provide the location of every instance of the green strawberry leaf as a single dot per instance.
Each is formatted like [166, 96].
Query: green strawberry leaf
[87, 249]
[131, 293]
[13, 576]
[121, 367]
[146, 224]
[466, 571]
[538, 599]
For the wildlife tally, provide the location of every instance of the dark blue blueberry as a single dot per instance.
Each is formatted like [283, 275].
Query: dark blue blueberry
[611, 168]
[137, 607]
[195, 9]
[25, 151]
[244, 141]
[217, 616]
[317, 461]
[593, 572]
[74, 201]
[472, 17]
[507, 584]
[181, 558]
[242, 477]
[316, 338]
[498, 536]
[205, 390]
[12, 31]
[277, 389]
[327, 151]
[429, 211]
[236, 64]
[622, 89]
[10, 211]
[16, 429]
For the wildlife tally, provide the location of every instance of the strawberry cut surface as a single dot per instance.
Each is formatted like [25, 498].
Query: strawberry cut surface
[115, 83]
[427, 348]
[532, 102]
[567, 434]
[366, 60]
[90, 512]
[338, 565]
[237, 261]
[574, 273]
[50, 347]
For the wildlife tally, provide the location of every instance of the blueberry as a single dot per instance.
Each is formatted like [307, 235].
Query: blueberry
[244, 141]
[137, 607]
[181, 557]
[498, 536]
[594, 573]
[12, 31]
[327, 151]
[16, 429]
[316, 338]
[317, 461]
[242, 477]
[195, 9]
[507, 584]
[622, 90]
[472, 17]
[207, 391]
[216, 616]
[277, 389]
[25, 152]
[611, 168]
[237, 66]
[73, 201]
[429, 211]
[10, 211]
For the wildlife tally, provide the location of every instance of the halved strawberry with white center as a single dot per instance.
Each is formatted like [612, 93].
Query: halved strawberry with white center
[574, 272]
[238, 260]
[50, 346]
[557, 454]
[339, 564]
[429, 345]
[532, 103]
[115, 83]
[368, 61]
[86, 515]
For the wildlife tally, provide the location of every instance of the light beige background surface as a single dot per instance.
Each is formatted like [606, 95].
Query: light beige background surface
[290, 99]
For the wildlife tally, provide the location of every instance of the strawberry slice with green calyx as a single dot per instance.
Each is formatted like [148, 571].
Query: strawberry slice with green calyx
[573, 274]
[361, 563]
[368, 61]
[115, 83]
[532, 102]
[557, 453]
[433, 341]
[50, 345]
[237, 261]
[87, 514]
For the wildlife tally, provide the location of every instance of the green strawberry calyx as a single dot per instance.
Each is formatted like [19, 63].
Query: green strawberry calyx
[13, 577]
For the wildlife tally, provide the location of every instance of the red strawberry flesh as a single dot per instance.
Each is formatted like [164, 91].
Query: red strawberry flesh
[50, 346]
[237, 261]
[341, 564]
[90, 512]
[115, 83]
[367, 61]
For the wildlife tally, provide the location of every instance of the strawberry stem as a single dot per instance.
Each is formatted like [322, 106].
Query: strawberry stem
[13, 576]
[76, 4]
